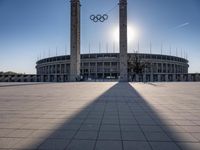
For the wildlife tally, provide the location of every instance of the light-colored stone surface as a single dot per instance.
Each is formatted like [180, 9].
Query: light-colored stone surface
[123, 40]
[75, 58]
[100, 116]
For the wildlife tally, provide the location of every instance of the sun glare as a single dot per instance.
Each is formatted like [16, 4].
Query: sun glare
[132, 33]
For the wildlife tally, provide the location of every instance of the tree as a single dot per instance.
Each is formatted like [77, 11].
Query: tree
[136, 64]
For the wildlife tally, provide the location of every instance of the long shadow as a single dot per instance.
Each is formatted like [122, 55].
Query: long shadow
[119, 119]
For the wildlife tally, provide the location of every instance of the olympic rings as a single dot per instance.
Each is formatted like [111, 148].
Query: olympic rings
[99, 18]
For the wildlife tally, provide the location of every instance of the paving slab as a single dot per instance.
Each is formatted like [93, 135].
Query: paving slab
[100, 116]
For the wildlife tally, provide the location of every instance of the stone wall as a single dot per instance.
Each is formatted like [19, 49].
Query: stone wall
[132, 78]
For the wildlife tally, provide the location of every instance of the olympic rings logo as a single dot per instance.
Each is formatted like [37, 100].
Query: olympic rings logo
[99, 18]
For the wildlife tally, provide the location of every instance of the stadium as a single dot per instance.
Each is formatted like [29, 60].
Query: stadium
[105, 66]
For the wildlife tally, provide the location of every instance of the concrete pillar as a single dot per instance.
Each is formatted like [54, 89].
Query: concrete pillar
[137, 78]
[42, 78]
[166, 77]
[166, 68]
[156, 67]
[162, 68]
[55, 78]
[103, 70]
[198, 77]
[123, 44]
[144, 77]
[110, 70]
[95, 70]
[49, 78]
[159, 78]
[151, 77]
[49, 70]
[171, 68]
[75, 40]
[89, 70]
[62, 78]
[189, 77]
[56, 69]
[151, 68]
[174, 77]
[181, 77]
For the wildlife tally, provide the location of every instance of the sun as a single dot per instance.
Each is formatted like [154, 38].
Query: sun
[132, 33]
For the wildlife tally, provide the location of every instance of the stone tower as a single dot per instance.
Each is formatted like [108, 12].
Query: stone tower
[123, 40]
[75, 40]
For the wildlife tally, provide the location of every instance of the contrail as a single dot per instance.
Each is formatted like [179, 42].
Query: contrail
[182, 25]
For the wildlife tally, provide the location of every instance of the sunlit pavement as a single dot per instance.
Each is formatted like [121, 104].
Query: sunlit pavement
[100, 116]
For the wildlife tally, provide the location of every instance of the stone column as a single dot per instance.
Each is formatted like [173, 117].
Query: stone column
[62, 77]
[151, 77]
[189, 77]
[75, 40]
[136, 77]
[49, 67]
[162, 68]
[42, 78]
[103, 71]
[123, 44]
[156, 67]
[144, 77]
[174, 77]
[159, 77]
[182, 77]
[198, 77]
[166, 77]
[151, 72]
[166, 68]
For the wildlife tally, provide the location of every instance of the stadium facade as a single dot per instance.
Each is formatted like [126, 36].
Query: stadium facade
[107, 66]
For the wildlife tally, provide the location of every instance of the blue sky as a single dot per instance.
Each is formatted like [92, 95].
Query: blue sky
[32, 29]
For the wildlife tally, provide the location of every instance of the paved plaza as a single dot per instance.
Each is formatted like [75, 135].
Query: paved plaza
[100, 116]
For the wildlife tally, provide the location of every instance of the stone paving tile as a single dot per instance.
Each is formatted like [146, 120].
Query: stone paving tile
[8, 142]
[134, 145]
[133, 128]
[108, 135]
[157, 136]
[89, 127]
[183, 137]
[41, 134]
[110, 121]
[108, 145]
[135, 136]
[185, 122]
[28, 144]
[196, 135]
[20, 133]
[81, 145]
[191, 129]
[70, 127]
[151, 129]
[5, 132]
[106, 127]
[164, 146]
[92, 121]
[54, 144]
[189, 146]
[173, 129]
[128, 122]
[62, 134]
[86, 135]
